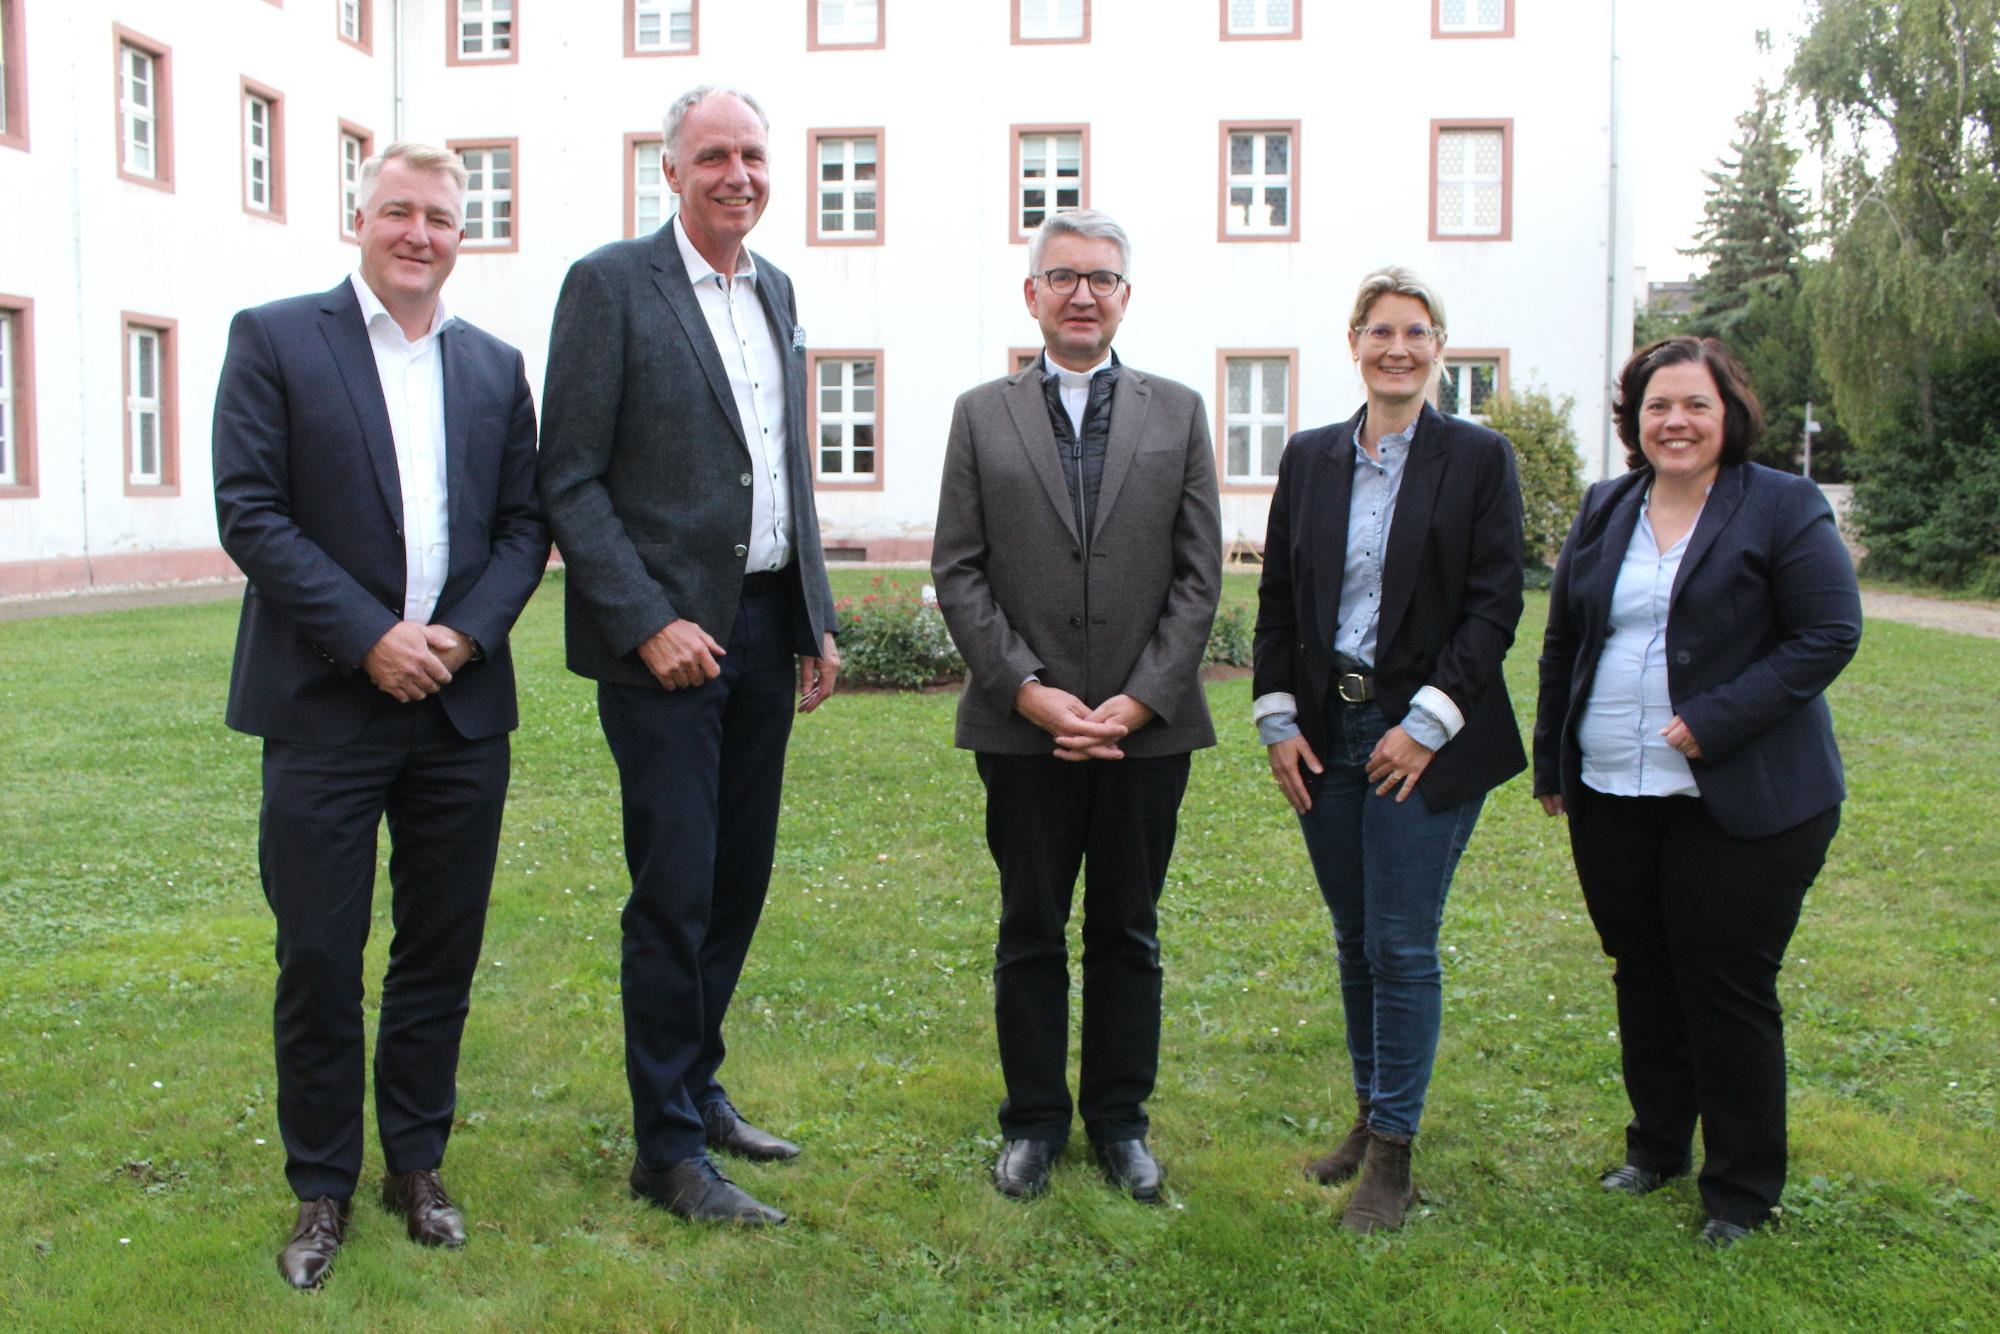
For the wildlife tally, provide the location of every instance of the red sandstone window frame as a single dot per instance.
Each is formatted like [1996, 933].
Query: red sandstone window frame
[19, 314]
[168, 374]
[1223, 356]
[836, 482]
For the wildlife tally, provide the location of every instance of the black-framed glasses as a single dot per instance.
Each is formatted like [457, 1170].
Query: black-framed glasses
[1103, 282]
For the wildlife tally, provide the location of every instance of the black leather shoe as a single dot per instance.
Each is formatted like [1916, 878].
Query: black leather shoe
[316, 1238]
[1023, 1170]
[1129, 1165]
[729, 1132]
[1721, 1235]
[428, 1213]
[694, 1188]
[1632, 1179]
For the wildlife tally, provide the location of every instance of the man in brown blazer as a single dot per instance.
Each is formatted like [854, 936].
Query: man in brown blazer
[1078, 560]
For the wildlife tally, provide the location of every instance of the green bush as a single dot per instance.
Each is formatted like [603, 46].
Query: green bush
[1545, 456]
[1229, 638]
[893, 637]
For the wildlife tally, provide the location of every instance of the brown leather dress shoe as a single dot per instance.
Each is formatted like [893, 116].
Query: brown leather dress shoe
[1345, 1159]
[1386, 1192]
[316, 1238]
[428, 1213]
[695, 1188]
[729, 1132]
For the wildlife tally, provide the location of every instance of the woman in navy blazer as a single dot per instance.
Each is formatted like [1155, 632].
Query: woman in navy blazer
[1390, 595]
[1702, 604]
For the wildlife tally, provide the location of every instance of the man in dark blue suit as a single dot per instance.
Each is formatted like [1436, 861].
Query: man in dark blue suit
[375, 479]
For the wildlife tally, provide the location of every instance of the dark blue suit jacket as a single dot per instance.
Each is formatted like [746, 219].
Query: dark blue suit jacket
[309, 506]
[1764, 614]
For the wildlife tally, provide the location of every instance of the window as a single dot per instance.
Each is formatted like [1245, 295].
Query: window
[1260, 400]
[649, 201]
[482, 32]
[1472, 18]
[1469, 381]
[151, 431]
[846, 187]
[1260, 174]
[492, 220]
[846, 410]
[355, 22]
[145, 110]
[844, 23]
[17, 396]
[660, 27]
[13, 79]
[1050, 174]
[1051, 20]
[1259, 18]
[263, 151]
[356, 147]
[1471, 186]
[1020, 358]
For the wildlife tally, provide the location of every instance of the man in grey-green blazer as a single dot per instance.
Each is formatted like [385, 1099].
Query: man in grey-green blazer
[1078, 560]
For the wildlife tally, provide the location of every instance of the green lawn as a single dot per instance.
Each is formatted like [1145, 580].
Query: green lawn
[140, 1170]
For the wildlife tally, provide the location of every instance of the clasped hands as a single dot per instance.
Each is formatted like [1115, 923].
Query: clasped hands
[1081, 732]
[682, 655]
[414, 660]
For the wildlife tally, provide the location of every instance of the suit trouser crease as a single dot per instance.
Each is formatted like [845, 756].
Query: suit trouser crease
[1116, 821]
[1384, 868]
[1697, 922]
[701, 773]
[443, 797]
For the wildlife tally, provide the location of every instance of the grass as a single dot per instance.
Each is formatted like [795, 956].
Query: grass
[140, 1171]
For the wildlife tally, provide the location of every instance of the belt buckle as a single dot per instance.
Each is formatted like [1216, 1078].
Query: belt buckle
[1361, 693]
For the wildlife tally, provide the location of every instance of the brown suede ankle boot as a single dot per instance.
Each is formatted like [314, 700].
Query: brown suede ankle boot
[1386, 1191]
[1345, 1159]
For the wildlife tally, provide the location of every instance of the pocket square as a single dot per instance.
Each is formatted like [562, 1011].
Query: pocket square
[798, 338]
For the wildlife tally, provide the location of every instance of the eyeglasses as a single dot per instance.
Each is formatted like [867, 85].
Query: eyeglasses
[1381, 335]
[1103, 282]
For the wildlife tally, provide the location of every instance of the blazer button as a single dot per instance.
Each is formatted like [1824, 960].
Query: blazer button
[1683, 658]
[1075, 554]
[745, 479]
[1076, 620]
[742, 550]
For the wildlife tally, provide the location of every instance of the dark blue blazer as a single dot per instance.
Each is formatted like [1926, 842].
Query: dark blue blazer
[1764, 614]
[310, 507]
[1451, 591]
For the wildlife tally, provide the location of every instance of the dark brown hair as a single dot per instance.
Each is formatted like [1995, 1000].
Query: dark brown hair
[1742, 417]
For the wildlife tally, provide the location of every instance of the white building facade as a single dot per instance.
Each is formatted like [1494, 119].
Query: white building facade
[164, 163]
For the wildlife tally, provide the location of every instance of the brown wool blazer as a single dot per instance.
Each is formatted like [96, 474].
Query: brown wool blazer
[1124, 609]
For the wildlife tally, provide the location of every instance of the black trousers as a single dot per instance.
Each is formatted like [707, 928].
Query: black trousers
[1115, 819]
[1697, 922]
[322, 806]
[701, 771]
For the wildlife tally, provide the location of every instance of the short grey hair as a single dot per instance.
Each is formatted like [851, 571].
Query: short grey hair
[1087, 223]
[677, 114]
[1395, 281]
[422, 157]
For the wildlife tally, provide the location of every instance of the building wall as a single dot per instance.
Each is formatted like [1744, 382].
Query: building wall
[941, 296]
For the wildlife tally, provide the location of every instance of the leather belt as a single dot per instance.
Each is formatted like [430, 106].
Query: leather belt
[1354, 687]
[764, 581]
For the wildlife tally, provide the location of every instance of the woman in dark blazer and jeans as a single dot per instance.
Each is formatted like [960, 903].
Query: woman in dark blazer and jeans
[1390, 594]
[1701, 606]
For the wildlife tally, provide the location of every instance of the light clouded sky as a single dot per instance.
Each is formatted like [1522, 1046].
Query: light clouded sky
[1690, 67]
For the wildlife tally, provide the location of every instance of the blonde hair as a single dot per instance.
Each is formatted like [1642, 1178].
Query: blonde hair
[1395, 281]
[422, 157]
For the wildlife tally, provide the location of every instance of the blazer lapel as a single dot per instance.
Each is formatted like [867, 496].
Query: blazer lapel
[1326, 507]
[347, 337]
[457, 423]
[1610, 541]
[1416, 497]
[1723, 497]
[1129, 400]
[670, 277]
[1030, 412]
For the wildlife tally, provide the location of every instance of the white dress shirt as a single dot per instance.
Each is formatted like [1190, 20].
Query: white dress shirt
[756, 370]
[412, 375]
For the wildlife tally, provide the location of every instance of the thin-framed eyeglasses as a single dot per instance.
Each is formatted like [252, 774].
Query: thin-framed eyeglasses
[1103, 282]
[1381, 335]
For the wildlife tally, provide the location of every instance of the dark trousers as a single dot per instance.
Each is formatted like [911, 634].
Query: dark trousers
[1697, 922]
[1115, 819]
[701, 771]
[443, 796]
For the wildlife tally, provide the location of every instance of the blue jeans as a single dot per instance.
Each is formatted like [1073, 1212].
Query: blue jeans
[1384, 868]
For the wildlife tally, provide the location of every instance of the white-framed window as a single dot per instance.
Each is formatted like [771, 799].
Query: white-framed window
[1256, 416]
[1051, 20]
[1259, 181]
[10, 465]
[846, 409]
[1471, 182]
[145, 403]
[847, 202]
[485, 29]
[1466, 385]
[847, 22]
[1259, 18]
[138, 110]
[259, 119]
[17, 397]
[653, 200]
[350, 20]
[13, 105]
[662, 25]
[489, 195]
[1048, 175]
[354, 150]
[1472, 16]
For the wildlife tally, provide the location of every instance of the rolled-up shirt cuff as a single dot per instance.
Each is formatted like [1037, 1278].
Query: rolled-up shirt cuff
[1278, 701]
[1439, 706]
[1276, 716]
[1425, 728]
